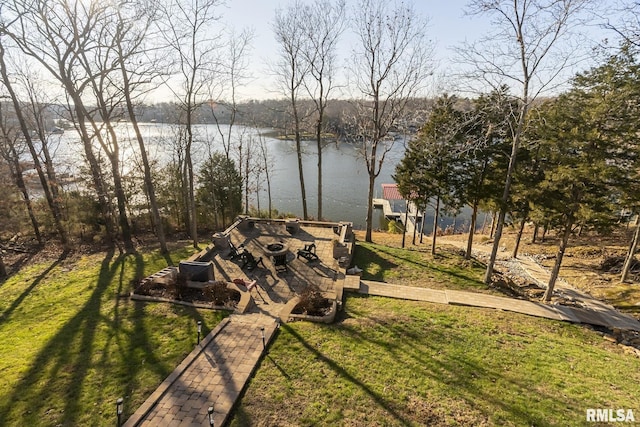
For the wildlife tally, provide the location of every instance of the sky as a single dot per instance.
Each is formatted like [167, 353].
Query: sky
[449, 26]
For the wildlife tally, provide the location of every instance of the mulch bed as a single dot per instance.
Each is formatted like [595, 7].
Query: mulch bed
[217, 294]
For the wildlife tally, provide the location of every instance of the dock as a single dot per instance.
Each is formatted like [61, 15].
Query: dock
[389, 213]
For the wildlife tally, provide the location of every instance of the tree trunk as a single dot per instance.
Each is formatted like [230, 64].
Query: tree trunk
[556, 267]
[303, 191]
[424, 217]
[27, 201]
[265, 158]
[472, 228]
[148, 180]
[113, 153]
[247, 159]
[16, 171]
[534, 237]
[371, 161]
[406, 220]
[368, 233]
[494, 249]
[193, 224]
[484, 223]
[415, 226]
[186, 215]
[3, 268]
[519, 237]
[319, 144]
[112, 148]
[121, 202]
[630, 255]
[54, 206]
[493, 225]
[507, 185]
[435, 226]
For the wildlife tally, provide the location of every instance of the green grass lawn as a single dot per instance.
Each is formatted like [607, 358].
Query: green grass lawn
[416, 266]
[389, 362]
[72, 342]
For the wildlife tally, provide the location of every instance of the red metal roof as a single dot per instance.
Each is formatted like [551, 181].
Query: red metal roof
[390, 192]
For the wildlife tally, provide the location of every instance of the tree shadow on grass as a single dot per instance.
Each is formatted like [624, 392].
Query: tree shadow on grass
[377, 259]
[16, 303]
[60, 372]
[463, 372]
[369, 260]
[442, 269]
[343, 373]
[58, 362]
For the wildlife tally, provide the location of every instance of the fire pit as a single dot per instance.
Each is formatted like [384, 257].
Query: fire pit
[275, 249]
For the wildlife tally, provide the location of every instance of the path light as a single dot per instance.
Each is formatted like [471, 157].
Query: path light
[119, 406]
[199, 330]
[210, 412]
[263, 343]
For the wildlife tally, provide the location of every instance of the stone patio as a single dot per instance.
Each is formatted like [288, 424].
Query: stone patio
[218, 369]
[275, 288]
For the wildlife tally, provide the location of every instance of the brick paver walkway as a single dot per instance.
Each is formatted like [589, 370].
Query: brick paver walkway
[595, 314]
[214, 374]
[217, 370]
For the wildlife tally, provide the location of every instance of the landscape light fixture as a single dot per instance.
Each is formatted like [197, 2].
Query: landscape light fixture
[210, 412]
[263, 342]
[119, 408]
[199, 330]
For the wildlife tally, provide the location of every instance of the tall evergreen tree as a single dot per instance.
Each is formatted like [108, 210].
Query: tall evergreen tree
[220, 190]
[429, 167]
[585, 163]
[484, 153]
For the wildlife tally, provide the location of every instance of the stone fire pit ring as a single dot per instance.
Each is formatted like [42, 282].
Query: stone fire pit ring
[274, 249]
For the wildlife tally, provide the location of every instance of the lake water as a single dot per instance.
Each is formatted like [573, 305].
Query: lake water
[345, 179]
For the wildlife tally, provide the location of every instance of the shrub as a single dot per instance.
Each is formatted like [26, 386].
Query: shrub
[177, 288]
[220, 294]
[312, 302]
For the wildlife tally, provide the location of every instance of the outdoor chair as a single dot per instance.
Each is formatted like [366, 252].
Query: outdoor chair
[235, 252]
[308, 252]
[280, 262]
[249, 261]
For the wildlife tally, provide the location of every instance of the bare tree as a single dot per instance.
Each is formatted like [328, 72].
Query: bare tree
[130, 36]
[525, 50]
[624, 21]
[10, 152]
[53, 34]
[267, 167]
[53, 202]
[324, 23]
[188, 28]
[390, 65]
[291, 70]
[627, 26]
[223, 95]
[223, 92]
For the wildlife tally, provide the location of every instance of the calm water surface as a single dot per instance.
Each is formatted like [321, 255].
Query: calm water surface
[345, 180]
